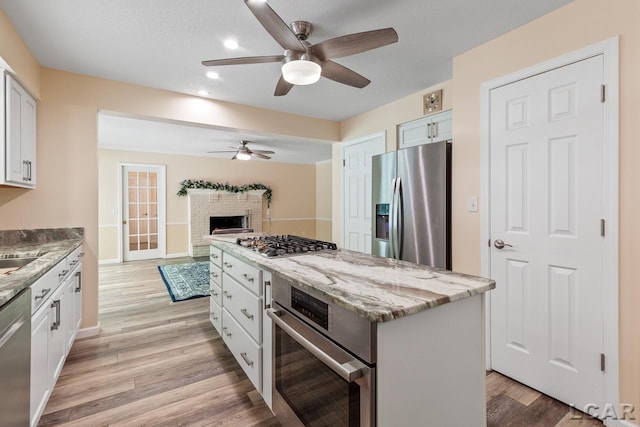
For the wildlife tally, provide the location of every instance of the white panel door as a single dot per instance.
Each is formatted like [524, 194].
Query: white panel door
[547, 202]
[357, 193]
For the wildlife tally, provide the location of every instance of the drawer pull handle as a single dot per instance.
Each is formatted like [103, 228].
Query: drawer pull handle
[56, 305]
[63, 273]
[226, 294]
[215, 294]
[226, 264]
[246, 313]
[224, 330]
[214, 256]
[43, 294]
[214, 318]
[214, 275]
[246, 359]
[247, 277]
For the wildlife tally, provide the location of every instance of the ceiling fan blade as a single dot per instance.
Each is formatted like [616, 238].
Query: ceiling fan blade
[244, 60]
[263, 151]
[226, 151]
[341, 74]
[354, 43]
[260, 156]
[274, 25]
[283, 87]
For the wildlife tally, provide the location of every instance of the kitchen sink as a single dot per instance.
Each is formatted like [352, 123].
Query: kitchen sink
[9, 265]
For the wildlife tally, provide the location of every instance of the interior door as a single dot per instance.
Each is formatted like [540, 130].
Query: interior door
[547, 251]
[357, 193]
[143, 224]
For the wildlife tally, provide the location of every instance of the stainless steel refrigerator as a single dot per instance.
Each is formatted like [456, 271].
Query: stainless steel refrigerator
[411, 198]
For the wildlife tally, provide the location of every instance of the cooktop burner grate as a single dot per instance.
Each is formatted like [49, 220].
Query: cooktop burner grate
[279, 245]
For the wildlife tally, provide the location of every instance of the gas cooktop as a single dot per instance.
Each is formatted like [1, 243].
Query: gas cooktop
[279, 245]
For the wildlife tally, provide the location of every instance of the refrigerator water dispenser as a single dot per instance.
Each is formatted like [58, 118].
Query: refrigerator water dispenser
[382, 221]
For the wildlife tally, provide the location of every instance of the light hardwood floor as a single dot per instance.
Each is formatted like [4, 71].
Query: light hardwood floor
[158, 363]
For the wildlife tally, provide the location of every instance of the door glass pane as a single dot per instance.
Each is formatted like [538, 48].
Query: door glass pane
[143, 180]
[143, 194]
[153, 179]
[153, 241]
[153, 194]
[133, 243]
[133, 195]
[133, 179]
[144, 226]
[153, 226]
[133, 211]
[153, 210]
[144, 211]
[133, 227]
[144, 242]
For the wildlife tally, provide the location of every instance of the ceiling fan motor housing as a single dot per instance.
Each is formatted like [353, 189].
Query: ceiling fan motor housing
[301, 29]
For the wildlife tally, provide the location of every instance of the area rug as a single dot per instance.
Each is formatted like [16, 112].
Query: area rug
[186, 281]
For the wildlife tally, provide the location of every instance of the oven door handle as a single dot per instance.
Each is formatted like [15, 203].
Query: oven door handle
[347, 371]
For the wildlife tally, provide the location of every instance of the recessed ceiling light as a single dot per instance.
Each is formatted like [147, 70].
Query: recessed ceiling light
[213, 75]
[203, 92]
[230, 44]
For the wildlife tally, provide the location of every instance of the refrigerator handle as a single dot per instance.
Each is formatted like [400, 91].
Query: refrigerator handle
[398, 217]
[395, 230]
[392, 219]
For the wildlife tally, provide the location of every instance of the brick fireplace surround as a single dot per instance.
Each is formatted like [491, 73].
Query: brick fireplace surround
[204, 204]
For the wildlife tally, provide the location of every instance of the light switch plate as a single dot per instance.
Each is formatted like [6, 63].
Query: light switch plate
[472, 205]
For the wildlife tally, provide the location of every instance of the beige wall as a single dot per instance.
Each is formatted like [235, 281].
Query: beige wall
[293, 206]
[323, 201]
[572, 27]
[16, 54]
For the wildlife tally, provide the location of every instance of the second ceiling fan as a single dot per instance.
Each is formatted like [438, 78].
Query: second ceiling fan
[304, 63]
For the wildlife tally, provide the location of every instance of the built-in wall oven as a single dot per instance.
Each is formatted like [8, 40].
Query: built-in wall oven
[323, 361]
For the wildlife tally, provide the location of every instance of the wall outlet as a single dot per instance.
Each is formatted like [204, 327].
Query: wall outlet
[472, 205]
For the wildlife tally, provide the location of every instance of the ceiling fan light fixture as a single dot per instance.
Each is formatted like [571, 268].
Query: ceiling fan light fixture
[243, 156]
[301, 72]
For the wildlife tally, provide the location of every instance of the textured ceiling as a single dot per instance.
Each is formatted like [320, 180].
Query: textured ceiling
[160, 43]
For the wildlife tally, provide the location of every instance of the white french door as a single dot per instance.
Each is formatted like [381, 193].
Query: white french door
[546, 205]
[357, 192]
[143, 207]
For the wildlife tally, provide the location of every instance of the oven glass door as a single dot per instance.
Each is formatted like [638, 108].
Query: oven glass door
[311, 388]
[317, 395]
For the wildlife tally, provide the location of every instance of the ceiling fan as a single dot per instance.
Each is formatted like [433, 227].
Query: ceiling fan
[244, 153]
[304, 63]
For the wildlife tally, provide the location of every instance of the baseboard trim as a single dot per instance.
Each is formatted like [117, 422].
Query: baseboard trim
[180, 255]
[109, 261]
[88, 332]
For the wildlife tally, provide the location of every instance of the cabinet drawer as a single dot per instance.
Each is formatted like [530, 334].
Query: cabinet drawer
[243, 305]
[215, 274]
[45, 286]
[215, 255]
[215, 315]
[248, 275]
[246, 351]
[216, 293]
[75, 258]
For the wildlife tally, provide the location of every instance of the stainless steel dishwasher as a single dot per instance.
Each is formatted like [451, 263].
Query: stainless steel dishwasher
[15, 360]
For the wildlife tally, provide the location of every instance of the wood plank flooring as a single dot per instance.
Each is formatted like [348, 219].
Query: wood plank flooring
[158, 363]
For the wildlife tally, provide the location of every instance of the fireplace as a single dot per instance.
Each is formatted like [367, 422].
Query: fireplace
[224, 222]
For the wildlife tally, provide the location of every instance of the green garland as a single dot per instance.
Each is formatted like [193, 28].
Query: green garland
[208, 185]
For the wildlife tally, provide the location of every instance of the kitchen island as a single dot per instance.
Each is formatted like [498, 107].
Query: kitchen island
[427, 326]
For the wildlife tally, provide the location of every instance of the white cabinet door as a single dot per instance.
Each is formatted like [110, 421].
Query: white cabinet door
[425, 130]
[68, 312]
[57, 336]
[20, 134]
[77, 300]
[40, 377]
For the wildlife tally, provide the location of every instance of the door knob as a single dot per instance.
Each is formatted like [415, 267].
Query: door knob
[499, 244]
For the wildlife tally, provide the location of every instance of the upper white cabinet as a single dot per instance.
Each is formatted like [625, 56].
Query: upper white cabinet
[18, 135]
[432, 128]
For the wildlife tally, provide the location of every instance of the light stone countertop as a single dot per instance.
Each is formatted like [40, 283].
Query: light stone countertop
[378, 289]
[50, 246]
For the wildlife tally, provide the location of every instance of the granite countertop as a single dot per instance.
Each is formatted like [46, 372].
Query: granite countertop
[49, 245]
[378, 289]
